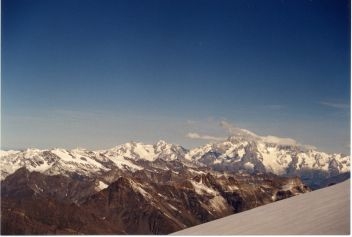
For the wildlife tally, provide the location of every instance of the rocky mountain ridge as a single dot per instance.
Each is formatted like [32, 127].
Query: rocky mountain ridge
[236, 154]
[143, 202]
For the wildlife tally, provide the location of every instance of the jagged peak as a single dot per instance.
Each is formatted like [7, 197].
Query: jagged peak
[161, 143]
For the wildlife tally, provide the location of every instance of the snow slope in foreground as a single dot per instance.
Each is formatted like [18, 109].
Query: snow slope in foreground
[325, 211]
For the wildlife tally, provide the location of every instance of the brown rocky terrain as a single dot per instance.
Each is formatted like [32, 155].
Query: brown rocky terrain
[143, 202]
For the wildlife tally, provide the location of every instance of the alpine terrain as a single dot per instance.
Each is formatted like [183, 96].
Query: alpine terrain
[136, 188]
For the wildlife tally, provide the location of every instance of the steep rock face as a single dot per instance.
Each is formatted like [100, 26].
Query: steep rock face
[49, 216]
[24, 184]
[131, 207]
[144, 202]
[33, 203]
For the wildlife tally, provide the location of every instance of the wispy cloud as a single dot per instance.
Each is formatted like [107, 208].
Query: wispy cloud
[335, 105]
[279, 140]
[240, 132]
[236, 131]
[204, 137]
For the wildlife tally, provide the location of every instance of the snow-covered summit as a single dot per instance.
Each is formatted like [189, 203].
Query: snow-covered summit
[54, 161]
[243, 152]
[87, 163]
[141, 151]
[268, 154]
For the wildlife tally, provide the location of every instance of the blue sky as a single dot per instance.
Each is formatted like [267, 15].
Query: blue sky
[96, 74]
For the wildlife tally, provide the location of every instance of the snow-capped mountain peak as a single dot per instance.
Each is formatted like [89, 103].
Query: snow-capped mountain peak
[263, 154]
[246, 152]
[161, 143]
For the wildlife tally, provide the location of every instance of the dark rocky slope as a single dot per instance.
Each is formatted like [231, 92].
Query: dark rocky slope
[144, 202]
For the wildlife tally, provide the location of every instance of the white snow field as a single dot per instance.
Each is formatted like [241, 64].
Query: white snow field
[321, 212]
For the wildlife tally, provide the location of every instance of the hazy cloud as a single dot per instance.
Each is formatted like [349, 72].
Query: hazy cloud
[236, 131]
[335, 105]
[240, 132]
[310, 147]
[279, 140]
[204, 137]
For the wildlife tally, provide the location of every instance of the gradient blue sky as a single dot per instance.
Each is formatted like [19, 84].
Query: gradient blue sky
[97, 73]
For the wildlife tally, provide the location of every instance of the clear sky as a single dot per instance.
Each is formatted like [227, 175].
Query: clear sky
[97, 73]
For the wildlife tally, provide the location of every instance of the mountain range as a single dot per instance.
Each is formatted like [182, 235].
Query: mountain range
[136, 188]
[236, 154]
